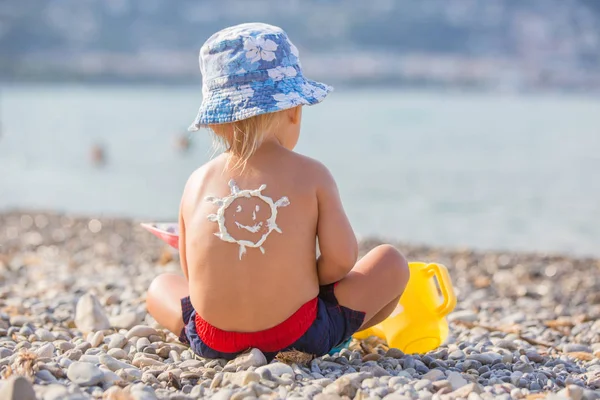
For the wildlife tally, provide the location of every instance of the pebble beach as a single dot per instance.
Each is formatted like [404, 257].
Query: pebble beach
[73, 325]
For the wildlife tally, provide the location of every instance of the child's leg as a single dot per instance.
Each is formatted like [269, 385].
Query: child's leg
[163, 301]
[375, 284]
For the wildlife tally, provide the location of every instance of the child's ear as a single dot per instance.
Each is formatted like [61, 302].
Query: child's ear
[295, 114]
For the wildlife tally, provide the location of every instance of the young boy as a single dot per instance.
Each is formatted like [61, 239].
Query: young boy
[250, 219]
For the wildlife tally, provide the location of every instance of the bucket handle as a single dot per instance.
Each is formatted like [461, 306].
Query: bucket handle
[441, 273]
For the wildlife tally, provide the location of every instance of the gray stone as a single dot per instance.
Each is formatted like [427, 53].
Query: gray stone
[117, 341]
[482, 358]
[329, 365]
[572, 392]
[18, 320]
[4, 352]
[17, 388]
[457, 355]
[45, 375]
[523, 367]
[456, 380]
[391, 396]
[253, 358]
[83, 346]
[342, 387]
[241, 378]
[55, 392]
[125, 320]
[465, 390]
[223, 394]
[534, 356]
[442, 384]
[507, 344]
[275, 369]
[65, 346]
[434, 375]
[197, 392]
[148, 378]
[358, 377]
[46, 351]
[591, 394]
[44, 335]
[423, 384]
[146, 361]
[145, 395]
[142, 343]
[110, 378]
[119, 354]
[376, 370]
[89, 314]
[464, 315]
[515, 377]
[323, 382]
[163, 351]
[112, 363]
[574, 347]
[88, 358]
[84, 374]
[97, 339]
[141, 331]
[130, 374]
[190, 364]
[394, 353]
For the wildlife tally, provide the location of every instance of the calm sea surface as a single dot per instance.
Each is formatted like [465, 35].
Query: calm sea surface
[485, 171]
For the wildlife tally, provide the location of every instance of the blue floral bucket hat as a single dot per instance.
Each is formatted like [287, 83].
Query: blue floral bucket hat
[252, 69]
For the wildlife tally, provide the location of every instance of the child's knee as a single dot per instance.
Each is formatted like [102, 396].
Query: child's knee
[394, 264]
[158, 287]
[156, 284]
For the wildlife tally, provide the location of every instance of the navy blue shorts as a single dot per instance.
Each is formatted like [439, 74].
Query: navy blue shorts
[333, 325]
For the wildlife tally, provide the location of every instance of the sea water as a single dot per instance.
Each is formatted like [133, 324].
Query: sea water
[489, 171]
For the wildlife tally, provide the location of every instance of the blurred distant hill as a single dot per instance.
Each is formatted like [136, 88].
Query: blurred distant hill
[506, 44]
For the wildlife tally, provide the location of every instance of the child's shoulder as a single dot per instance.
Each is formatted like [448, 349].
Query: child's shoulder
[315, 170]
[305, 163]
[202, 174]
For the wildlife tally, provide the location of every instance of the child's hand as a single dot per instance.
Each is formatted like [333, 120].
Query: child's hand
[337, 242]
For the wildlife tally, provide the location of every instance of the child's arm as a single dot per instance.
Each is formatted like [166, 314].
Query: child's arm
[337, 242]
[182, 255]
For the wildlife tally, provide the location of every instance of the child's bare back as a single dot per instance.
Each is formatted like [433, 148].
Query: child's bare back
[240, 288]
[250, 219]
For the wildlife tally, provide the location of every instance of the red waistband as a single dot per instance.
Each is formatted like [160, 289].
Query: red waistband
[269, 340]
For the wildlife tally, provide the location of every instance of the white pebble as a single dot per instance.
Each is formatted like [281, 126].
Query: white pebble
[84, 374]
[141, 331]
[456, 380]
[46, 351]
[97, 339]
[89, 314]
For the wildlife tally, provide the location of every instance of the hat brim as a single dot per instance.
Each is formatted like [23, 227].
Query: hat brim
[235, 103]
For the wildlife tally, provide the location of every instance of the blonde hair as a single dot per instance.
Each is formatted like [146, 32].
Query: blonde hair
[242, 138]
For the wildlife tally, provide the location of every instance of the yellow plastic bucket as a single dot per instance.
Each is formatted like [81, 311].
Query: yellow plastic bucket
[419, 324]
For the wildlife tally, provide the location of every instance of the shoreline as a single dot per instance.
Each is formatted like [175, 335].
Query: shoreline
[366, 242]
[526, 324]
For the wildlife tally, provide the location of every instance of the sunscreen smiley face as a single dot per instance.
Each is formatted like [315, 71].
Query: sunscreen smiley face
[249, 215]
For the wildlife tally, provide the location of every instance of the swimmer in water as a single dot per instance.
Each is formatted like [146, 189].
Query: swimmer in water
[249, 219]
[98, 155]
[182, 143]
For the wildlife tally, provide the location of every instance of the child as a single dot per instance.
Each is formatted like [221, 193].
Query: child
[250, 218]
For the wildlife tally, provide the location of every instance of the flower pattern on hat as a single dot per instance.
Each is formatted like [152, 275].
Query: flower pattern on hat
[279, 73]
[260, 49]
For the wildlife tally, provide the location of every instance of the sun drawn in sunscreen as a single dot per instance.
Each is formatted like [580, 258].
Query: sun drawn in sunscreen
[236, 193]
